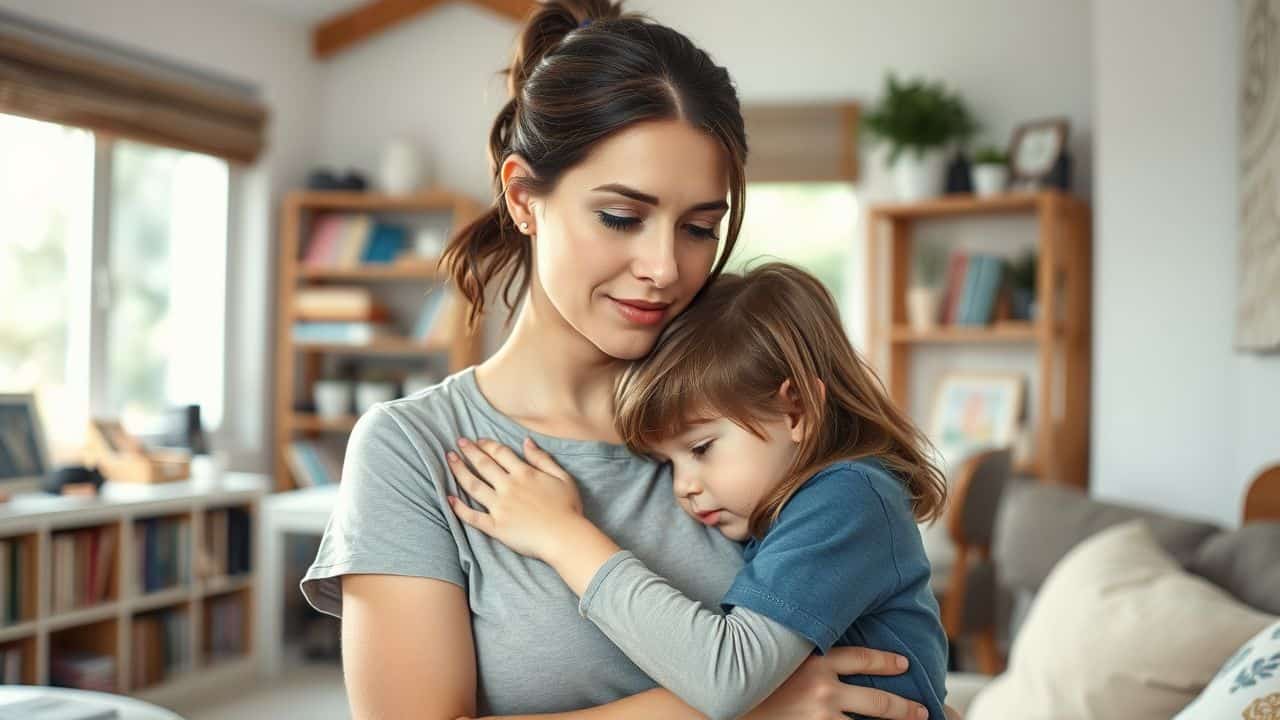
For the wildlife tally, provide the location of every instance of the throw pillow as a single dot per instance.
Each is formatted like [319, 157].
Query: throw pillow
[1119, 631]
[1247, 686]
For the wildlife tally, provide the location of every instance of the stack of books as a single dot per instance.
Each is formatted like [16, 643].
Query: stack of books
[312, 464]
[226, 549]
[973, 284]
[339, 315]
[226, 627]
[439, 320]
[83, 562]
[350, 240]
[11, 657]
[15, 561]
[160, 646]
[162, 547]
[82, 669]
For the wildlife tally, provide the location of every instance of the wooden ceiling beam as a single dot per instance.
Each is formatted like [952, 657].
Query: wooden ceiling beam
[365, 21]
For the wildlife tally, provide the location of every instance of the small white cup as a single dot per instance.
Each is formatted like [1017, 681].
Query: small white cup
[333, 398]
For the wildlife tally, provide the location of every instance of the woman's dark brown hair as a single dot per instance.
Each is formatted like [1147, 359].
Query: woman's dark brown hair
[582, 71]
[729, 354]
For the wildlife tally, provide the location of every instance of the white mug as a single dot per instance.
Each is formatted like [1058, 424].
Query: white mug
[333, 398]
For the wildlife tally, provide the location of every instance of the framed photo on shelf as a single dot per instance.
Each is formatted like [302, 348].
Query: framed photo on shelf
[1034, 151]
[23, 455]
[974, 411]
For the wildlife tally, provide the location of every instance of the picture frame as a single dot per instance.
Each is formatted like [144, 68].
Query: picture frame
[23, 453]
[974, 411]
[1034, 150]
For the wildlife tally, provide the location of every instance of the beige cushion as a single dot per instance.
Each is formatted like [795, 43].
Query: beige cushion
[1119, 631]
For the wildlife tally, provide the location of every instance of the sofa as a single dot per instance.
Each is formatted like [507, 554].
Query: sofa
[1034, 526]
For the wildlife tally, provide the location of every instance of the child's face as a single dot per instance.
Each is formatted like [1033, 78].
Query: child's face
[722, 472]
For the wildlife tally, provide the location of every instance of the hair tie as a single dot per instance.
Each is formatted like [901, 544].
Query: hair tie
[584, 23]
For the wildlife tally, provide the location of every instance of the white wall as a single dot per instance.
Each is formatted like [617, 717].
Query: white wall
[1180, 420]
[274, 55]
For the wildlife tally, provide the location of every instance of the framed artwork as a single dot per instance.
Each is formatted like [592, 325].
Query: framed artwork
[1035, 149]
[1258, 293]
[22, 449]
[974, 411]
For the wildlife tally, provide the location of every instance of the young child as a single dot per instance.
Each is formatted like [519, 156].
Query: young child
[780, 436]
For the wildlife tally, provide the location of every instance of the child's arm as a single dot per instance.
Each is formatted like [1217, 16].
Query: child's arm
[723, 665]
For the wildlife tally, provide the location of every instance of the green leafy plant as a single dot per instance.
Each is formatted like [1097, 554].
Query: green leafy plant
[918, 115]
[990, 155]
[1022, 272]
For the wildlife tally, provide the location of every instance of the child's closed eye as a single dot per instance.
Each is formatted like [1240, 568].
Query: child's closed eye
[701, 449]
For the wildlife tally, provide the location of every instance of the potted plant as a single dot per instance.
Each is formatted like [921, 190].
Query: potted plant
[925, 290]
[990, 171]
[919, 120]
[1022, 286]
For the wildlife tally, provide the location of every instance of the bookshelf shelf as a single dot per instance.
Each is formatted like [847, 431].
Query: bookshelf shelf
[327, 280]
[316, 423]
[162, 598]
[101, 642]
[1060, 340]
[418, 270]
[388, 346]
[9, 633]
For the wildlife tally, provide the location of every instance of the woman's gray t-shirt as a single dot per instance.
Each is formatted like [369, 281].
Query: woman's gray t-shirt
[534, 652]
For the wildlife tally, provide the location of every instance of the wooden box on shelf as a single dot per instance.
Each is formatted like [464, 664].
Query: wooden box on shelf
[1060, 335]
[122, 458]
[300, 360]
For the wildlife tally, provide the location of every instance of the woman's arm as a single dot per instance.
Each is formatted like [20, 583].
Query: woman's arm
[397, 666]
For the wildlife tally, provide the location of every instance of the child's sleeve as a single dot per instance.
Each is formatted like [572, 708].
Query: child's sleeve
[722, 665]
[829, 559]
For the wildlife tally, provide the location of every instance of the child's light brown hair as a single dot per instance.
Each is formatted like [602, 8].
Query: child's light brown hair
[729, 353]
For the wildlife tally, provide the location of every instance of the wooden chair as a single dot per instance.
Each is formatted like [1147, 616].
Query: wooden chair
[1262, 499]
[975, 494]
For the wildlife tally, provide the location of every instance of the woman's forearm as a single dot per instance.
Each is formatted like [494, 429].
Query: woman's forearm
[656, 703]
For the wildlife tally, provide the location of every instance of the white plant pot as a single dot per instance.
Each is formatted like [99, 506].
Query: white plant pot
[402, 169]
[333, 398]
[990, 179]
[922, 308]
[919, 176]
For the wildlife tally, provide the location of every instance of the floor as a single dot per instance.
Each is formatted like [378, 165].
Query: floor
[311, 691]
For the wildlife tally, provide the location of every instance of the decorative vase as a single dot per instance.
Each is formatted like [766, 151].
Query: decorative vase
[922, 308]
[990, 179]
[919, 175]
[402, 170]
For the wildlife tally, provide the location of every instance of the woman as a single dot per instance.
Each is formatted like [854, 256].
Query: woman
[613, 161]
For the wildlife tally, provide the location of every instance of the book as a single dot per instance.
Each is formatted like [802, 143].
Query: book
[968, 289]
[951, 293]
[385, 243]
[6, 615]
[352, 240]
[427, 316]
[989, 288]
[447, 323]
[337, 303]
[353, 333]
[323, 242]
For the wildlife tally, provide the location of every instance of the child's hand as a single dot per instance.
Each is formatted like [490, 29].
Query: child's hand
[531, 504]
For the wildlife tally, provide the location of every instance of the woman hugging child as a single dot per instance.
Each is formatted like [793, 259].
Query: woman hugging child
[781, 437]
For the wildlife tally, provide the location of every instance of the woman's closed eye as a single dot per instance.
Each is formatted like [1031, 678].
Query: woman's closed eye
[628, 222]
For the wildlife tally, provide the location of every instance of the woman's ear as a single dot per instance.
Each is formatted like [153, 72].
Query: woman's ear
[797, 419]
[520, 202]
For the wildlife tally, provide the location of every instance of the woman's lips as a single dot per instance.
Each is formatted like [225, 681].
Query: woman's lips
[710, 517]
[640, 313]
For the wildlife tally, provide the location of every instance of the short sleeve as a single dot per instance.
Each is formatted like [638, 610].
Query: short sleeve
[389, 518]
[828, 560]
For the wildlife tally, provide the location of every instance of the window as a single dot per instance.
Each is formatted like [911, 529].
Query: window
[111, 307]
[807, 224]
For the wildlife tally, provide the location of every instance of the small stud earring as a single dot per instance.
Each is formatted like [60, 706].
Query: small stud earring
[524, 226]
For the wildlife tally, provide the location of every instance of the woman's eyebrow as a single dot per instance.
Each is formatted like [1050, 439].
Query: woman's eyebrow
[648, 199]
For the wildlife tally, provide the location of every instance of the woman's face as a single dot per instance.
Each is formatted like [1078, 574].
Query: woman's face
[629, 235]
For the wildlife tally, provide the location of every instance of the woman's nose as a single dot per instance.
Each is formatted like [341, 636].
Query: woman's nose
[655, 259]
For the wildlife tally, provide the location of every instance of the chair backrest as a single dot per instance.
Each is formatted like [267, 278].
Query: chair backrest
[1262, 500]
[975, 497]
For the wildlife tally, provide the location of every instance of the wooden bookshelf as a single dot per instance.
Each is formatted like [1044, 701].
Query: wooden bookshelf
[1060, 337]
[300, 364]
[106, 627]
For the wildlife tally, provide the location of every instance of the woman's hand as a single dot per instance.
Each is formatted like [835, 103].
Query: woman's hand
[815, 692]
